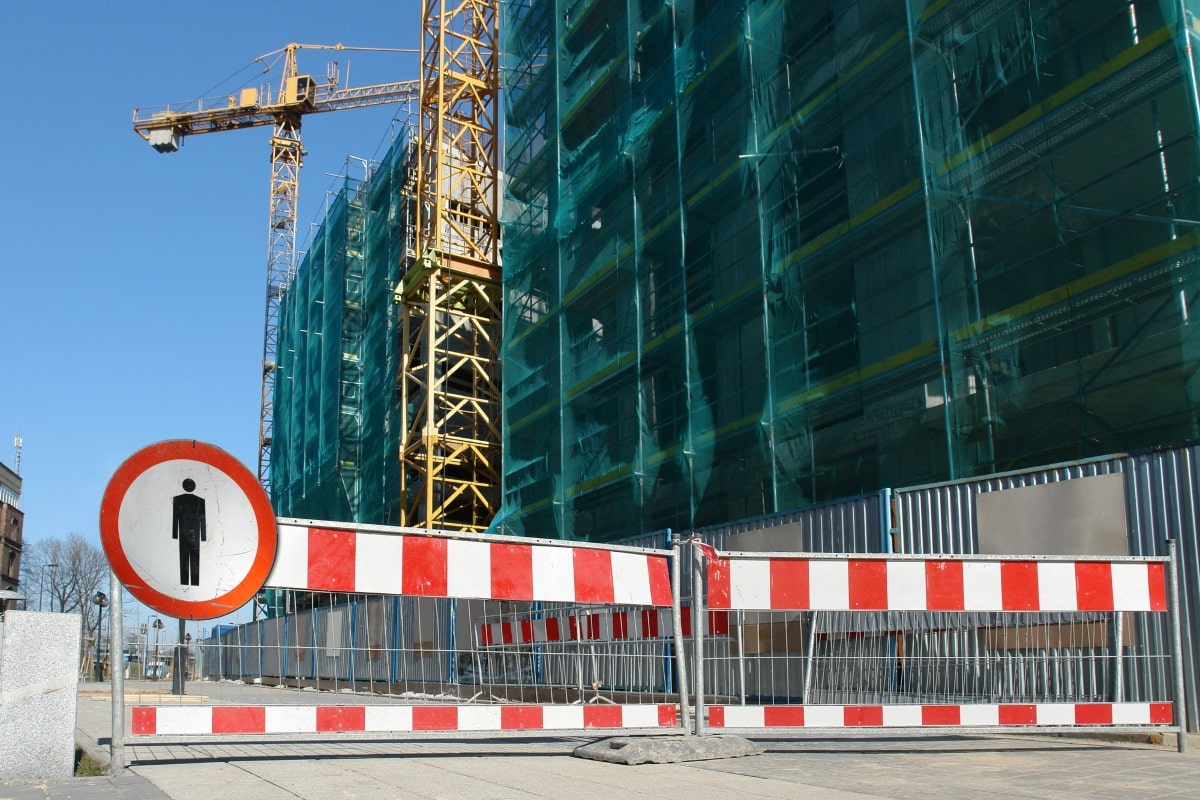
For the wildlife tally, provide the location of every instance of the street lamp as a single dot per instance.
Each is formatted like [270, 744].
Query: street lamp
[158, 626]
[101, 601]
[42, 595]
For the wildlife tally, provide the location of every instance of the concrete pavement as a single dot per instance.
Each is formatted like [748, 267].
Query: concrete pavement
[961, 766]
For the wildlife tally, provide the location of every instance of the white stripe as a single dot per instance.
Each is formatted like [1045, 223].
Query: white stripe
[377, 562]
[906, 586]
[824, 716]
[1056, 586]
[631, 579]
[986, 715]
[553, 574]
[389, 718]
[479, 718]
[1131, 587]
[291, 559]
[750, 584]
[828, 588]
[981, 586]
[746, 717]
[291, 719]
[183, 720]
[1131, 713]
[1055, 714]
[539, 631]
[639, 716]
[902, 716]
[468, 568]
[562, 718]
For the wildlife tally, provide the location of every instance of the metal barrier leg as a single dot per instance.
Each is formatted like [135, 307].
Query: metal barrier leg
[1176, 643]
[116, 659]
[677, 623]
[699, 618]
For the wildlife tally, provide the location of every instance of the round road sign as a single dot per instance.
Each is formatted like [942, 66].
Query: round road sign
[188, 529]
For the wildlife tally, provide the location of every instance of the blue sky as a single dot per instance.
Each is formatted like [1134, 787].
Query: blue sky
[133, 283]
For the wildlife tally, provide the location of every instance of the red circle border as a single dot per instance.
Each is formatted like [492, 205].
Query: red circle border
[110, 535]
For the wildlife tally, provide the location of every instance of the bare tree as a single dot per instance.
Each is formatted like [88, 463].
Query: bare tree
[65, 574]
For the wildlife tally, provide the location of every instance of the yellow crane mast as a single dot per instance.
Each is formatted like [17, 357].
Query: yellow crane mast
[297, 95]
[450, 297]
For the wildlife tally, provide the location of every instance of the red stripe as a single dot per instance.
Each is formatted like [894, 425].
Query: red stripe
[1158, 586]
[716, 716]
[435, 718]
[1093, 586]
[145, 720]
[783, 716]
[863, 716]
[332, 719]
[718, 583]
[944, 586]
[485, 635]
[868, 585]
[527, 633]
[620, 625]
[1162, 714]
[506, 632]
[941, 715]
[593, 576]
[685, 620]
[602, 717]
[789, 584]
[1093, 714]
[424, 567]
[650, 623]
[660, 580]
[331, 560]
[234, 719]
[521, 718]
[593, 627]
[718, 623]
[512, 571]
[573, 622]
[1019, 586]
[553, 634]
[1018, 714]
[667, 716]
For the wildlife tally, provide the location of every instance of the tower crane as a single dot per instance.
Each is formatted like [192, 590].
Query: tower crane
[297, 94]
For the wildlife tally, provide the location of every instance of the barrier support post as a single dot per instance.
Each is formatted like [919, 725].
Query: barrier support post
[699, 620]
[677, 627]
[1176, 643]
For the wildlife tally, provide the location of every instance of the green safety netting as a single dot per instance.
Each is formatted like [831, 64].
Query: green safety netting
[760, 254]
[335, 449]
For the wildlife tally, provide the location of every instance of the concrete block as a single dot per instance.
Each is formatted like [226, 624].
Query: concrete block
[39, 678]
[666, 749]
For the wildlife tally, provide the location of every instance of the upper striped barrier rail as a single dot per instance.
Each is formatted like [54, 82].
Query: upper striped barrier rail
[787, 581]
[328, 556]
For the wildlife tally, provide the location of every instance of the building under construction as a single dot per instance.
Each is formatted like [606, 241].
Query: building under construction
[760, 255]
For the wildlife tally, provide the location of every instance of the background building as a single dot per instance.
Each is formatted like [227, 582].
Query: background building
[764, 254]
[12, 520]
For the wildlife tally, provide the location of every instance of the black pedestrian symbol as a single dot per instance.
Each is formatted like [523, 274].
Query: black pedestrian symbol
[188, 526]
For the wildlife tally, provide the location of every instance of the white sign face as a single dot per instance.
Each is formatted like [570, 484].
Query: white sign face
[188, 529]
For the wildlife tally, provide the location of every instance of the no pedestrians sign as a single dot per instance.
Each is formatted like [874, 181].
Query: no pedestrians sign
[188, 529]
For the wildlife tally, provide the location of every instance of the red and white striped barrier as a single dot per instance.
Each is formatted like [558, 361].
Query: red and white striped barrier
[270, 719]
[930, 716]
[600, 626]
[326, 557]
[783, 582]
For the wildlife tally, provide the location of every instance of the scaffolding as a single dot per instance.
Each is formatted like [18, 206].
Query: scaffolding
[763, 254]
[336, 417]
[450, 401]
